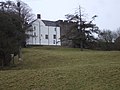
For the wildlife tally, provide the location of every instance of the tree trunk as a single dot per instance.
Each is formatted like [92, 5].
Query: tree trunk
[81, 45]
[19, 54]
[2, 62]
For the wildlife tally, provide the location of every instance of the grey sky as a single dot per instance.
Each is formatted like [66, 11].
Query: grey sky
[107, 10]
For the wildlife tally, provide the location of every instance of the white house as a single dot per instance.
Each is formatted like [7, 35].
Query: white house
[44, 32]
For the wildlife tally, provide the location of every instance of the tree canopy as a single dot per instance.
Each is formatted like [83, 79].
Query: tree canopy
[83, 30]
[14, 19]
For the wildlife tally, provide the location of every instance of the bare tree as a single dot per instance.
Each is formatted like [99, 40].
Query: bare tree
[107, 36]
[118, 32]
[117, 41]
[107, 39]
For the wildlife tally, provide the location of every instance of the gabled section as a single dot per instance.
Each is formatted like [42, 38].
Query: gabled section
[44, 32]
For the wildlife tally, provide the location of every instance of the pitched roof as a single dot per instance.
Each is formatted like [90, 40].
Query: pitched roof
[46, 22]
[32, 21]
[50, 23]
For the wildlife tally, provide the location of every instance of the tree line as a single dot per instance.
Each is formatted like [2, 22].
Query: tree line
[87, 35]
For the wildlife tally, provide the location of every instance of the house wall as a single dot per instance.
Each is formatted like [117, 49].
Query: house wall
[40, 31]
[51, 32]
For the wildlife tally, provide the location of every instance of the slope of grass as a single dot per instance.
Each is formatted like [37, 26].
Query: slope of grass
[53, 68]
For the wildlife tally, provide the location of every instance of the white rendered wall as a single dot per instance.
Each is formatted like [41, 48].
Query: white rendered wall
[40, 30]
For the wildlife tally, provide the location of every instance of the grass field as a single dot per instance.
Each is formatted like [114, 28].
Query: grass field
[53, 68]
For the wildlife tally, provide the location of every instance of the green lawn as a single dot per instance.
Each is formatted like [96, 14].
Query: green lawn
[53, 68]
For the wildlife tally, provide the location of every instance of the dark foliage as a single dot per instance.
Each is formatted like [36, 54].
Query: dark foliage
[10, 36]
[14, 18]
[81, 33]
[117, 44]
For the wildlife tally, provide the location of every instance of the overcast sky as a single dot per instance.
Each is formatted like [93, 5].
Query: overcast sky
[108, 11]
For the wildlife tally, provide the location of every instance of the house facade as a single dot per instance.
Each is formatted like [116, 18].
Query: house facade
[44, 32]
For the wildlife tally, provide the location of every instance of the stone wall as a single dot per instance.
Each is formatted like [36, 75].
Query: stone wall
[65, 28]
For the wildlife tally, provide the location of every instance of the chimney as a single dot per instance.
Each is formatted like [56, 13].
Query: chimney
[38, 16]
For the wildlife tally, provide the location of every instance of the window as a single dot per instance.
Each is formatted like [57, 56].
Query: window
[34, 28]
[34, 33]
[54, 36]
[46, 36]
[53, 41]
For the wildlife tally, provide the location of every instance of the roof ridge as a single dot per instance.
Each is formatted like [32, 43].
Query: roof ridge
[49, 23]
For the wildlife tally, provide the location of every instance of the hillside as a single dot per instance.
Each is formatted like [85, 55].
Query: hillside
[53, 68]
